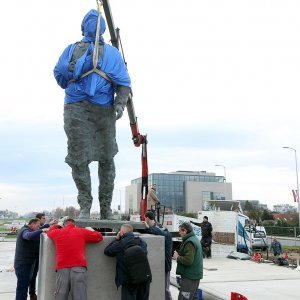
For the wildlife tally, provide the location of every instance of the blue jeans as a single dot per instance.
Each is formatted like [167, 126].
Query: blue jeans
[24, 275]
[32, 285]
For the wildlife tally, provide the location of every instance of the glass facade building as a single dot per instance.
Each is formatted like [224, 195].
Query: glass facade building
[171, 187]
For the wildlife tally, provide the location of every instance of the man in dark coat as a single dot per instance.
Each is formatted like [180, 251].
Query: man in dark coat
[26, 256]
[153, 229]
[43, 224]
[124, 239]
[206, 231]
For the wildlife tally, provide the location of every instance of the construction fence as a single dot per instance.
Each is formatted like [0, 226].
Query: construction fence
[283, 231]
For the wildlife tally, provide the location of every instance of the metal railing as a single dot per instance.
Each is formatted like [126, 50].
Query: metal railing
[282, 231]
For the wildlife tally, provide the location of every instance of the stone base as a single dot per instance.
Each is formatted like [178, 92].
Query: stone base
[101, 269]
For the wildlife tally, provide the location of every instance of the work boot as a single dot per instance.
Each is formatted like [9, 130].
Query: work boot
[84, 214]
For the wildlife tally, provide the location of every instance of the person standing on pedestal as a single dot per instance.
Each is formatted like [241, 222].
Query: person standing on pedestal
[152, 199]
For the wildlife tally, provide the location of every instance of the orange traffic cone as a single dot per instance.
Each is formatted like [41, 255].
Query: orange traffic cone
[257, 257]
[286, 255]
[237, 296]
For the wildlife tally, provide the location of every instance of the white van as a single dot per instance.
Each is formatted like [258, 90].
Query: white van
[258, 237]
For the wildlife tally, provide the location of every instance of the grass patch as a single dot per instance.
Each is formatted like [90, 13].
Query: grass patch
[291, 248]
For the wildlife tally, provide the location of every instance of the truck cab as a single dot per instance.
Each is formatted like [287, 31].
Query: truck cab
[258, 237]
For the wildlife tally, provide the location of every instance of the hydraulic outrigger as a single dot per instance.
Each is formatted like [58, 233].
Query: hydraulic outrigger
[138, 139]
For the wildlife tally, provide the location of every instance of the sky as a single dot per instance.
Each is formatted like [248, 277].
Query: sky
[214, 82]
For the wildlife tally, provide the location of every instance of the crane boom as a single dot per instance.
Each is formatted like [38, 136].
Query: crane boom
[137, 138]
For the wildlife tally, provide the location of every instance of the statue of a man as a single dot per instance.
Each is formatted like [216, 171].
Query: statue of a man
[97, 86]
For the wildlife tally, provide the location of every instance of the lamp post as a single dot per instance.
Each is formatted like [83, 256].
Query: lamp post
[224, 179]
[119, 206]
[296, 163]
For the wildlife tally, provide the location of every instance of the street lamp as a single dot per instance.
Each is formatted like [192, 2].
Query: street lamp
[295, 151]
[119, 206]
[224, 179]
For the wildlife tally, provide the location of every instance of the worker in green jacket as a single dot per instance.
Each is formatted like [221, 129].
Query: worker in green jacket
[189, 263]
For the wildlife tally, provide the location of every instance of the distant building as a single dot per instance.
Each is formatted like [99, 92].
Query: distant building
[254, 203]
[226, 205]
[284, 208]
[180, 191]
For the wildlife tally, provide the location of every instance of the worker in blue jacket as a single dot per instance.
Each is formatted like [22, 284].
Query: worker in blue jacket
[26, 256]
[97, 86]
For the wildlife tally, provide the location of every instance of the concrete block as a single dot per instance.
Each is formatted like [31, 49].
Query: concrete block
[101, 269]
[221, 250]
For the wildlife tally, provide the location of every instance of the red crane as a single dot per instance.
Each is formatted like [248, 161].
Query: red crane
[138, 139]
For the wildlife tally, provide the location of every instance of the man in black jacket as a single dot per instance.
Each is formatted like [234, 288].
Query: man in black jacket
[124, 239]
[32, 285]
[153, 229]
[206, 230]
[26, 256]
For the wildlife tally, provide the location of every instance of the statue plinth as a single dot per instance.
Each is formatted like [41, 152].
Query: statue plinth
[108, 225]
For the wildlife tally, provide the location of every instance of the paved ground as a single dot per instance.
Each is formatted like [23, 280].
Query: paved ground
[221, 277]
[253, 280]
[7, 275]
[8, 278]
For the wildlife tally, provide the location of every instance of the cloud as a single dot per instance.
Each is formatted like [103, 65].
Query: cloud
[213, 83]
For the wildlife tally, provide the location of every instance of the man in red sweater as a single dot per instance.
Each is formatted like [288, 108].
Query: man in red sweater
[71, 264]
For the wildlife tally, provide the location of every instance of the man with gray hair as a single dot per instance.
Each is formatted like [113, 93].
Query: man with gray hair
[189, 263]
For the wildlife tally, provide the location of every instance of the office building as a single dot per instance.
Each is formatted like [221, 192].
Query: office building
[284, 208]
[254, 204]
[180, 191]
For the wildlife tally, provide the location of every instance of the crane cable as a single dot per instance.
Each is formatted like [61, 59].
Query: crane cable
[95, 54]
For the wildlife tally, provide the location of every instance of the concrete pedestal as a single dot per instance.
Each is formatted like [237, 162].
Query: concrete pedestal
[101, 269]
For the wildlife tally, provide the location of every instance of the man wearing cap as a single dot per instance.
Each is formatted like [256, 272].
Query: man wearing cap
[71, 264]
[189, 263]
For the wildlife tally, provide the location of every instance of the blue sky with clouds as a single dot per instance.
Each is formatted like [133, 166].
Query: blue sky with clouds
[214, 82]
